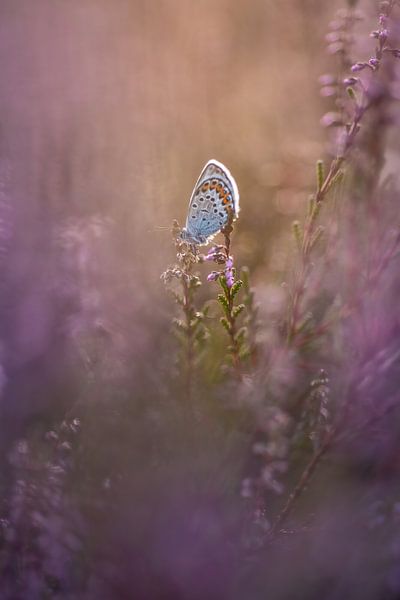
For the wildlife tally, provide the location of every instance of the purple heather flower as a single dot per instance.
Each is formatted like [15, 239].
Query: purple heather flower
[383, 35]
[216, 254]
[359, 66]
[327, 91]
[335, 48]
[382, 19]
[374, 62]
[350, 80]
[210, 256]
[333, 36]
[330, 119]
[229, 277]
[327, 79]
[213, 276]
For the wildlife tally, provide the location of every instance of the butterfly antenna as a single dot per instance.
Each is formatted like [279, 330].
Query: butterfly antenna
[174, 229]
[160, 228]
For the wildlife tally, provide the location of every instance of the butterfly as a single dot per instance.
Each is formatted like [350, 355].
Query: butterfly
[215, 195]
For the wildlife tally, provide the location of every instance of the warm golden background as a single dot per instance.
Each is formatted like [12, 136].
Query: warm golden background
[110, 110]
[113, 107]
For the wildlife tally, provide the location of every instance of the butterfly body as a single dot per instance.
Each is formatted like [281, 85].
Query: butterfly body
[214, 198]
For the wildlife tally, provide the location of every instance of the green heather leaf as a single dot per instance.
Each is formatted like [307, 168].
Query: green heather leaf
[351, 93]
[222, 282]
[206, 310]
[297, 234]
[179, 324]
[315, 212]
[311, 204]
[224, 303]
[237, 310]
[244, 352]
[224, 323]
[320, 174]
[336, 179]
[177, 297]
[201, 335]
[236, 287]
[241, 334]
[316, 237]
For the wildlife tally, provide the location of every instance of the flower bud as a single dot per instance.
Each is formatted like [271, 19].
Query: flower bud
[350, 80]
[213, 276]
[359, 66]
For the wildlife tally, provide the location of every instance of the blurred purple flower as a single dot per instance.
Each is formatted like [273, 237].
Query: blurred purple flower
[330, 119]
[350, 80]
[327, 91]
[358, 66]
[335, 25]
[383, 35]
[335, 48]
[213, 276]
[333, 36]
[327, 79]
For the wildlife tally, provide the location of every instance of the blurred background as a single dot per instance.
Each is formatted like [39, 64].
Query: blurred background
[108, 112]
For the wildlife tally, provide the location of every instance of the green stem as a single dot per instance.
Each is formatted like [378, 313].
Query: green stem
[232, 335]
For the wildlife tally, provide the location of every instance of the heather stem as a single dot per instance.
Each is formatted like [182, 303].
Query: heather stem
[232, 335]
[319, 197]
[188, 311]
[310, 469]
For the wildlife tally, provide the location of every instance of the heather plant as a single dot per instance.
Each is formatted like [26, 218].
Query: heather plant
[230, 286]
[189, 330]
[254, 452]
[305, 326]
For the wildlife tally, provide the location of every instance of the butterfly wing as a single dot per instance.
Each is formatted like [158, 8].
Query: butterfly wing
[214, 195]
